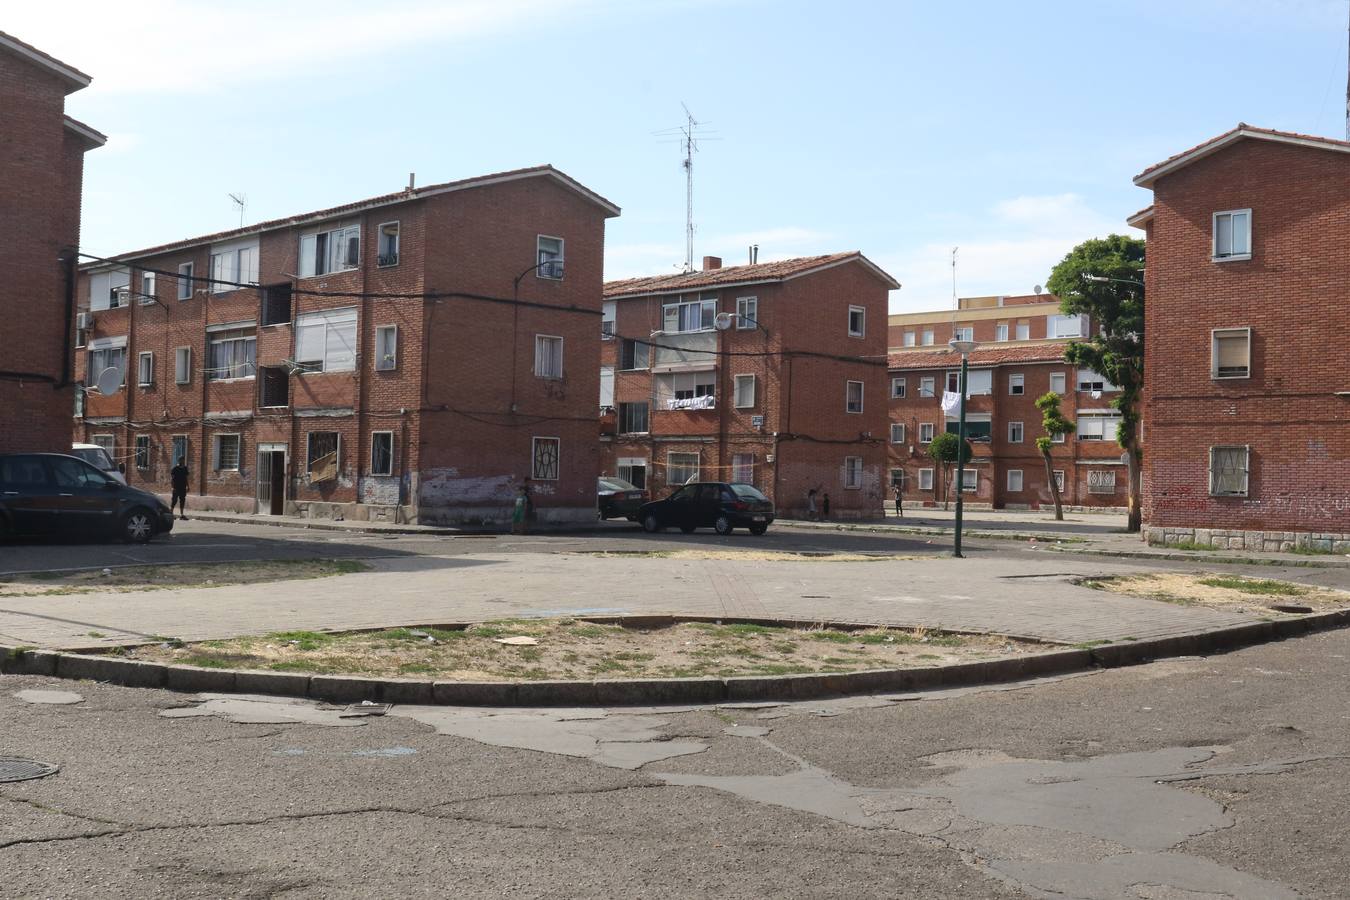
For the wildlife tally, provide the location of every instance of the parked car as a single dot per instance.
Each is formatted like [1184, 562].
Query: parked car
[715, 504]
[97, 457]
[617, 498]
[55, 494]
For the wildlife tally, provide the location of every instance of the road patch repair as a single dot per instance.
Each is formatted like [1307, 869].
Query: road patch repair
[130, 579]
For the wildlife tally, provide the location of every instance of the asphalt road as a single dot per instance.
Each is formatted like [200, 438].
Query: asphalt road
[1218, 777]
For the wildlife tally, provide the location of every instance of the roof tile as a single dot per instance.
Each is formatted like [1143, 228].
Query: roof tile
[943, 358]
[728, 275]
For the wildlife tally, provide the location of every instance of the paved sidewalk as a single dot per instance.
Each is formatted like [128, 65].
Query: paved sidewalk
[1030, 597]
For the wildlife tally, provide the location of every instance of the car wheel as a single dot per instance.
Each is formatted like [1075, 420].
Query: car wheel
[139, 526]
[758, 529]
[723, 525]
[651, 524]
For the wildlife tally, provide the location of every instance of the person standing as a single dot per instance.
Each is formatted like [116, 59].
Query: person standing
[811, 504]
[179, 475]
[899, 508]
[520, 515]
[825, 506]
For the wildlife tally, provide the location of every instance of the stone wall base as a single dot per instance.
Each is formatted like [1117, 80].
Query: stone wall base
[1258, 541]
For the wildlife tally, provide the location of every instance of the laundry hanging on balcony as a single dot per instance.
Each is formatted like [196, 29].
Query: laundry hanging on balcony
[951, 403]
[705, 402]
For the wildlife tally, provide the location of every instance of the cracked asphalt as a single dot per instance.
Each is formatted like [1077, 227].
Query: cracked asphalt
[1219, 777]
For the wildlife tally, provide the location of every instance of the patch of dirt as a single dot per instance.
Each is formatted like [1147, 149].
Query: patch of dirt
[754, 555]
[1228, 592]
[579, 649]
[152, 578]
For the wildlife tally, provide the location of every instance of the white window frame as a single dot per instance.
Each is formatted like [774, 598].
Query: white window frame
[1019, 381]
[927, 340]
[173, 445]
[373, 435]
[145, 368]
[1088, 380]
[1214, 235]
[928, 386]
[848, 400]
[386, 362]
[972, 389]
[670, 454]
[676, 309]
[136, 452]
[1001, 331]
[342, 317]
[927, 431]
[909, 339]
[738, 394]
[1103, 429]
[853, 473]
[1064, 326]
[106, 346]
[233, 264]
[630, 463]
[926, 480]
[1059, 437]
[964, 333]
[747, 313]
[540, 358]
[186, 275]
[609, 312]
[534, 445]
[897, 432]
[1019, 479]
[1023, 331]
[898, 388]
[379, 244]
[1214, 336]
[1063, 378]
[108, 442]
[109, 289]
[1016, 432]
[559, 260]
[646, 353]
[309, 266]
[1246, 471]
[740, 464]
[147, 288]
[182, 365]
[215, 451]
[607, 387]
[214, 338]
[861, 330]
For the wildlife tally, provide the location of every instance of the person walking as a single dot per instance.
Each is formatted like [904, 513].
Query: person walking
[520, 515]
[899, 506]
[179, 475]
[811, 504]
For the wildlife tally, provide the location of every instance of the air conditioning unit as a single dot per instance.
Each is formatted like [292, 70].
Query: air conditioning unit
[122, 296]
[84, 321]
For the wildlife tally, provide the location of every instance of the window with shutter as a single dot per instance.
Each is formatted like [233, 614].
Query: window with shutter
[1230, 353]
[745, 391]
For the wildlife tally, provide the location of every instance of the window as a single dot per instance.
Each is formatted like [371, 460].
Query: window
[386, 251]
[386, 348]
[978, 381]
[1102, 482]
[142, 451]
[743, 468]
[1015, 432]
[633, 470]
[185, 281]
[1230, 353]
[548, 356]
[233, 265]
[109, 290]
[276, 307]
[1098, 426]
[1089, 380]
[928, 337]
[608, 310]
[382, 448]
[549, 256]
[1057, 437]
[107, 442]
[79, 398]
[325, 341]
[926, 431]
[1014, 480]
[335, 250]
[606, 387]
[908, 339]
[634, 417]
[276, 387]
[545, 453]
[689, 315]
[179, 454]
[1063, 326]
[145, 368]
[182, 365]
[897, 388]
[970, 480]
[1233, 234]
[323, 454]
[1228, 471]
[897, 432]
[634, 355]
[1024, 331]
[147, 288]
[225, 453]
[898, 478]
[1057, 383]
[979, 427]
[1001, 331]
[1059, 480]
[925, 479]
[681, 468]
[964, 333]
[744, 391]
[1017, 384]
[853, 396]
[857, 322]
[928, 386]
[747, 312]
[233, 353]
[108, 356]
[853, 473]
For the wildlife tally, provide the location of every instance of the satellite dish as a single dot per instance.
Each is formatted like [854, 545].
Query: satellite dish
[109, 381]
[1037, 290]
[723, 321]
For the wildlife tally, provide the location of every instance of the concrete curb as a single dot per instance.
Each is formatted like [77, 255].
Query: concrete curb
[930, 531]
[1203, 557]
[350, 689]
[356, 527]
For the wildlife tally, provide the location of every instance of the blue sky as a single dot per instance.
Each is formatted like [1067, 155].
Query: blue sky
[901, 129]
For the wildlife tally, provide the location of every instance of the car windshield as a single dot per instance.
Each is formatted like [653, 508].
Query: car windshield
[616, 484]
[748, 492]
[95, 456]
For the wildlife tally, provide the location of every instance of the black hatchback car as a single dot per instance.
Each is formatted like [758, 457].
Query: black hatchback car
[51, 494]
[714, 504]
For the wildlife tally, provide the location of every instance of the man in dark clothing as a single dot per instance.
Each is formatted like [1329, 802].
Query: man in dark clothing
[179, 475]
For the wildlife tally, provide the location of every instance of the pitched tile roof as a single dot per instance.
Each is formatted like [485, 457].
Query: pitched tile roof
[383, 200]
[89, 133]
[944, 358]
[1243, 130]
[71, 74]
[759, 273]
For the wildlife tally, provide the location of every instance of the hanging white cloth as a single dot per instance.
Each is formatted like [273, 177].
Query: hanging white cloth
[951, 403]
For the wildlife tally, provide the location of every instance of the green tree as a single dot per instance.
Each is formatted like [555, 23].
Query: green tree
[1054, 423]
[1104, 278]
[943, 450]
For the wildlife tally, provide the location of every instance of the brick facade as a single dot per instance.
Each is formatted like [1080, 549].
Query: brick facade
[1291, 411]
[41, 170]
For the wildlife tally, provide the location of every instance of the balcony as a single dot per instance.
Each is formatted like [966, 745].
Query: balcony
[696, 350]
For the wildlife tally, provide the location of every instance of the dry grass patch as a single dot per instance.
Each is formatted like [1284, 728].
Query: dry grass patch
[753, 555]
[578, 649]
[1234, 593]
[194, 575]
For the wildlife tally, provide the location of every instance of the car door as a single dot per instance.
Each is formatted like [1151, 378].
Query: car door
[709, 504]
[85, 501]
[680, 507]
[28, 494]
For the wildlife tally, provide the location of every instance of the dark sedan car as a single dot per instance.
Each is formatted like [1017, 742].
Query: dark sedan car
[714, 504]
[51, 494]
[619, 499]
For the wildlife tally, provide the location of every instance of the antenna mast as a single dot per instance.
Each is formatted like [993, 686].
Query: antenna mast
[690, 148]
[241, 201]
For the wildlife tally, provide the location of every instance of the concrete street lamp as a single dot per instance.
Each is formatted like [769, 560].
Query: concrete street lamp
[964, 348]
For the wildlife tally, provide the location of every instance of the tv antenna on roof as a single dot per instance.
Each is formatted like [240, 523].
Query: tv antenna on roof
[688, 135]
[241, 201]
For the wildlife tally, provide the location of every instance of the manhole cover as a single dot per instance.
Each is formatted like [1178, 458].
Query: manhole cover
[14, 769]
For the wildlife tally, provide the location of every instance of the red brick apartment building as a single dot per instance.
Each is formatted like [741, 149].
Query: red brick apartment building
[367, 361]
[41, 172]
[772, 374]
[1247, 347]
[1020, 357]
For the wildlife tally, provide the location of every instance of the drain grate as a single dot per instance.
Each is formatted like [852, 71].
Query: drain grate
[15, 769]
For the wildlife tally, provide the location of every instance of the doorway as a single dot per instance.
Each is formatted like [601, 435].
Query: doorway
[272, 479]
